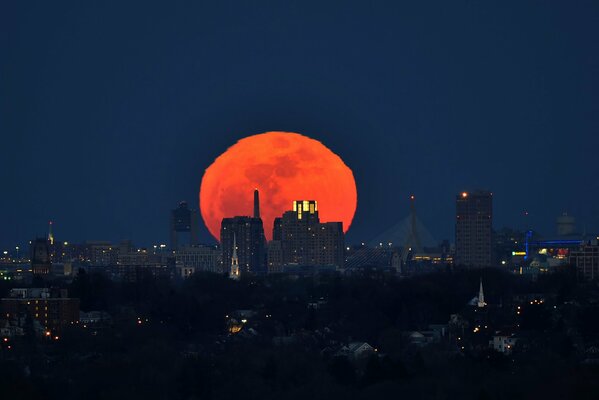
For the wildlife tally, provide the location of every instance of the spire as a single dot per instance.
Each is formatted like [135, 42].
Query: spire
[256, 204]
[50, 235]
[234, 270]
[481, 295]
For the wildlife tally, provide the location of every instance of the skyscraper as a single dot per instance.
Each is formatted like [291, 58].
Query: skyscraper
[183, 221]
[473, 231]
[246, 234]
[307, 241]
[274, 251]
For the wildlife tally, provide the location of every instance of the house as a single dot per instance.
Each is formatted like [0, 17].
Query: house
[503, 342]
[94, 317]
[591, 355]
[356, 350]
[426, 337]
[7, 330]
[420, 338]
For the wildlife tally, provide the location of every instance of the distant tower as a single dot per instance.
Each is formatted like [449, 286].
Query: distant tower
[40, 257]
[50, 234]
[252, 243]
[256, 204]
[473, 229]
[234, 271]
[481, 295]
[413, 240]
[184, 221]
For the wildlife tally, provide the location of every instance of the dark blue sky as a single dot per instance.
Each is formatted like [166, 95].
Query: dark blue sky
[111, 112]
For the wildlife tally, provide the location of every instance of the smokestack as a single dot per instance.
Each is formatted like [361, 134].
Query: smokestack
[256, 204]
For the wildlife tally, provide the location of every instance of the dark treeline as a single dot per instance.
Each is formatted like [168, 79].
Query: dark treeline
[169, 340]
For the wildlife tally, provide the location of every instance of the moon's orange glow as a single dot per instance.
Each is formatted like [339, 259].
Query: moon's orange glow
[283, 166]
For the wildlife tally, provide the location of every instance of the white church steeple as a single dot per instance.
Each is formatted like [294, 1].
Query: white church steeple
[481, 295]
[234, 271]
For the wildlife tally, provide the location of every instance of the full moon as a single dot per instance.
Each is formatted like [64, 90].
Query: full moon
[283, 166]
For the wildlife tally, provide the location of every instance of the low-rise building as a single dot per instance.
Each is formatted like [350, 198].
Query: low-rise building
[356, 350]
[586, 260]
[196, 258]
[503, 342]
[52, 308]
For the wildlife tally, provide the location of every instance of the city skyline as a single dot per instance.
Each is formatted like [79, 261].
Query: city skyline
[432, 106]
[551, 222]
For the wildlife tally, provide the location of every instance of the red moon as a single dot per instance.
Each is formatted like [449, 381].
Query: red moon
[283, 166]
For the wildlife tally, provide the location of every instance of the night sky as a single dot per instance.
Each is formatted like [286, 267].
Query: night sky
[109, 113]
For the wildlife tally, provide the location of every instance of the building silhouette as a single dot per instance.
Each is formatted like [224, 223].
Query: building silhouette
[40, 257]
[198, 258]
[473, 229]
[307, 241]
[246, 234]
[51, 308]
[184, 221]
[274, 256]
[586, 260]
[140, 264]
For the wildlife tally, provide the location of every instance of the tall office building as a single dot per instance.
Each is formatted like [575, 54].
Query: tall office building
[276, 229]
[247, 233]
[473, 229]
[184, 221]
[274, 251]
[307, 241]
[274, 257]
